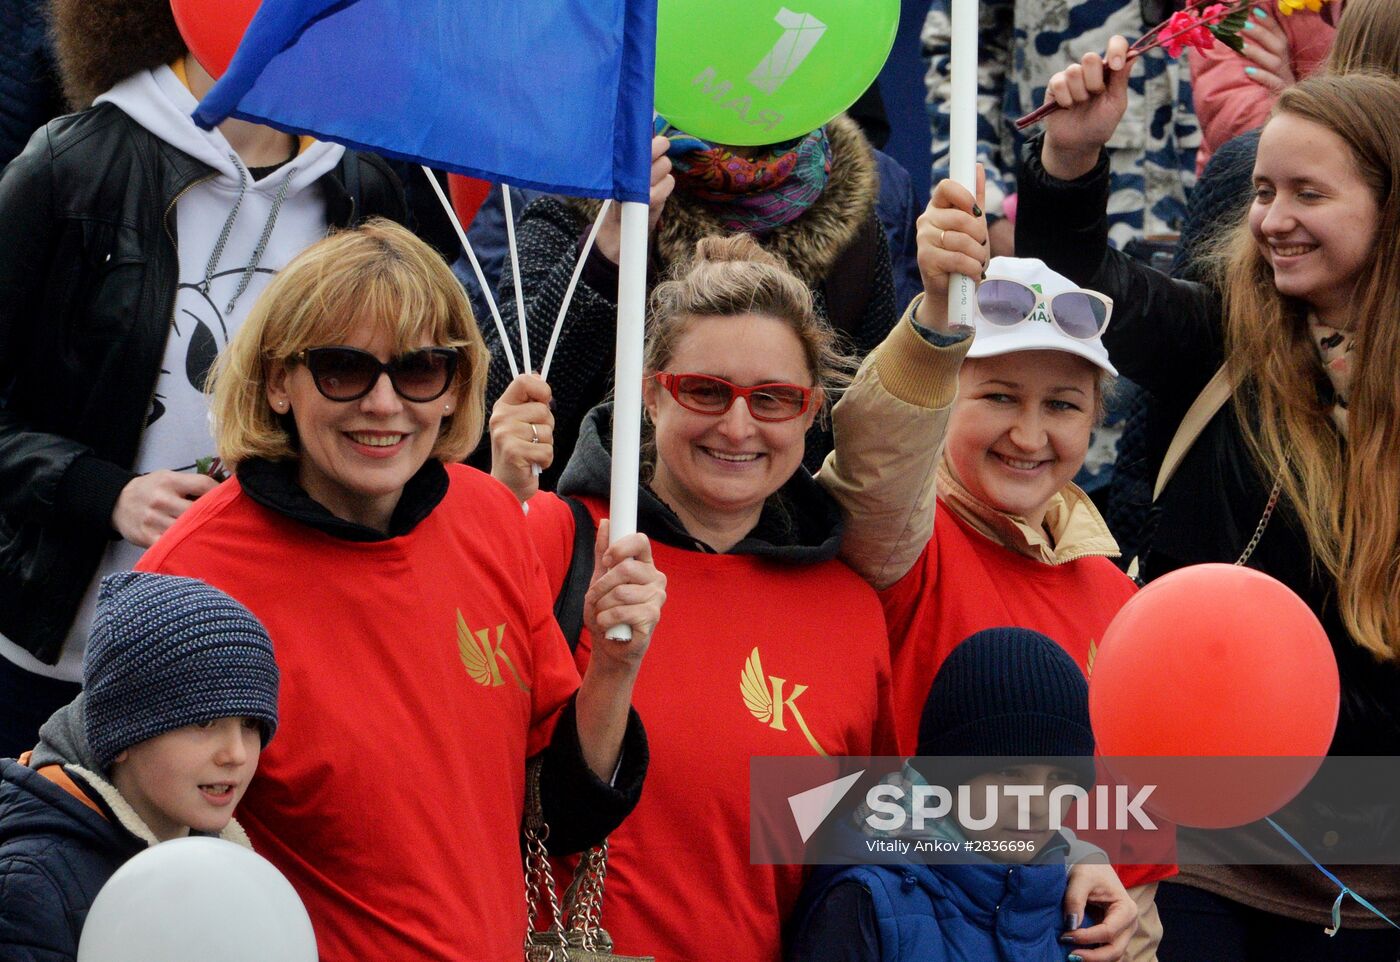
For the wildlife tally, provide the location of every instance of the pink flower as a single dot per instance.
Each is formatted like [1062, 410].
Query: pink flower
[1183, 30]
[1214, 13]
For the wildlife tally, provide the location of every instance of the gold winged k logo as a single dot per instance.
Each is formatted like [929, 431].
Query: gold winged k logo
[482, 658]
[763, 695]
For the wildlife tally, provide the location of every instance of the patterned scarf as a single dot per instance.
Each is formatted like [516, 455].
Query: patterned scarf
[754, 194]
[1334, 350]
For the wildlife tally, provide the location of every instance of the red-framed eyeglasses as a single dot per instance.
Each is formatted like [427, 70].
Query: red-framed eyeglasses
[706, 394]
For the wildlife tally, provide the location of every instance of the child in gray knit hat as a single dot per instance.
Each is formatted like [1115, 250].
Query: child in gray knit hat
[179, 698]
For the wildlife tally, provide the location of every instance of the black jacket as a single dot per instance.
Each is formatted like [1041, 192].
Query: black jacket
[88, 274]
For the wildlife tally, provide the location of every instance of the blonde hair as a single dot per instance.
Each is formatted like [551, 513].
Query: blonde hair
[1347, 495]
[733, 275]
[378, 274]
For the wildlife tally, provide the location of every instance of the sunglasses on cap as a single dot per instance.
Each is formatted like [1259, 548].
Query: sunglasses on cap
[348, 373]
[705, 394]
[1082, 315]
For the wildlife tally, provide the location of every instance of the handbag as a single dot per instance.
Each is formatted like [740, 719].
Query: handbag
[573, 933]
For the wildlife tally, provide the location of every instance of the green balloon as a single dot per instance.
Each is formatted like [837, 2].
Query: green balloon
[750, 72]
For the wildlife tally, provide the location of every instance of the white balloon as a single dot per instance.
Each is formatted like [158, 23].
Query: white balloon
[197, 900]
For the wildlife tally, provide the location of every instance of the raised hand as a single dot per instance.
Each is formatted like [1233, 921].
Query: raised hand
[951, 238]
[1092, 94]
[522, 435]
[609, 242]
[1266, 45]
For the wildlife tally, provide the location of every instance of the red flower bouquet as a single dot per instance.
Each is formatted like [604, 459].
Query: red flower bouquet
[1199, 25]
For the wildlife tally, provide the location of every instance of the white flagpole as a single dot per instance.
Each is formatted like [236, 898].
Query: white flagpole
[476, 267]
[962, 136]
[515, 271]
[627, 379]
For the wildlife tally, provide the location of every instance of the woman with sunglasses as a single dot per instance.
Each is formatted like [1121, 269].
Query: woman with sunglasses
[1299, 475]
[1016, 542]
[771, 646]
[421, 665]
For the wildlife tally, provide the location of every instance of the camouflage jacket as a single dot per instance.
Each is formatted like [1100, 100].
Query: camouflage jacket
[1022, 44]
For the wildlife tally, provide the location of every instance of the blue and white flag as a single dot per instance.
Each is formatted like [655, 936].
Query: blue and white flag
[549, 94]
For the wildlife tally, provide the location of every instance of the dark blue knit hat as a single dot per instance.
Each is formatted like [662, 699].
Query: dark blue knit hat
[1008, 692]
[165, 652]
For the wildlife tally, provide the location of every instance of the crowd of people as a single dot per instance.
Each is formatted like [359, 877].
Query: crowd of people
[264, 472]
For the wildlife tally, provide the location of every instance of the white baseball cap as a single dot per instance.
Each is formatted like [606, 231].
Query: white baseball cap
[1038, 331]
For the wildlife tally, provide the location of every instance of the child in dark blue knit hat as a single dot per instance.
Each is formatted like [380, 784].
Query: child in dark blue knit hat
[179, 698]
[1008, 708]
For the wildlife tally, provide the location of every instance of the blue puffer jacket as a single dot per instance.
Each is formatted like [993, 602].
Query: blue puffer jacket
[55, 854]
[955, 913]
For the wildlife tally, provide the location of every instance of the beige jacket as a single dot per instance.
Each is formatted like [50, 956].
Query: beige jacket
[889, 427]
[887, 468]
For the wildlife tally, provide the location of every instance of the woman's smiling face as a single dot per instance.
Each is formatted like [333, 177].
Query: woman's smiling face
[725, 466]
[1020, 428]
[1314, 216]
[356, 456]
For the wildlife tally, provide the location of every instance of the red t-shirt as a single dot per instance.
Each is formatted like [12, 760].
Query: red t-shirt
[810, 640]
[965, 582]
[418, 673]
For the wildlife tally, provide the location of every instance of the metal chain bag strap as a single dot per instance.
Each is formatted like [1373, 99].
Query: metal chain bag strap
[1263, 521]
[573, 933]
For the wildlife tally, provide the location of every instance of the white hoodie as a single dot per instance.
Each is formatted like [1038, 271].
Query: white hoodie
[208, 304]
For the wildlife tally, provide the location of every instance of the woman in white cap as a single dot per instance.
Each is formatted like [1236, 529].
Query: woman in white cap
[1016, 542]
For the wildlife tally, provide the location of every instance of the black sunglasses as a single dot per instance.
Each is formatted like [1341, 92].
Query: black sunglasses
[348, 373]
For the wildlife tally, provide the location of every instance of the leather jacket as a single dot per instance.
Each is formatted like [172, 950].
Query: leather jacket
[88, 275]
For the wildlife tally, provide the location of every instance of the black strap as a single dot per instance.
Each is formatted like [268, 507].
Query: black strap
[568, 607]
[351, 166]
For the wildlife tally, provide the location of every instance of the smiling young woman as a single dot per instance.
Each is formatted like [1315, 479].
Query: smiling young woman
[1302, 475]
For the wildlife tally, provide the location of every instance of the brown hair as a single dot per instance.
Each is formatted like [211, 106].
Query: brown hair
[1368, 38]
[376, 274]
[1346, 495]
[99, 42]
[732, 275]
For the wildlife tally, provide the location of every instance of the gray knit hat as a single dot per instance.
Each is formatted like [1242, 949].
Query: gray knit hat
[165, 652]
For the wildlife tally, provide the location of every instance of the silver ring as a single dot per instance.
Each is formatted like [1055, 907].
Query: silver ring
[534, 435]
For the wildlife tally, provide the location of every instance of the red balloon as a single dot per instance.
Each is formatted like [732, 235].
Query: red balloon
[1217, 684]
[212, 29]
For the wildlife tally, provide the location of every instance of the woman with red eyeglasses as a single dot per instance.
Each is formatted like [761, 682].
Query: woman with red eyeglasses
[771, 645]
[421, 665]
